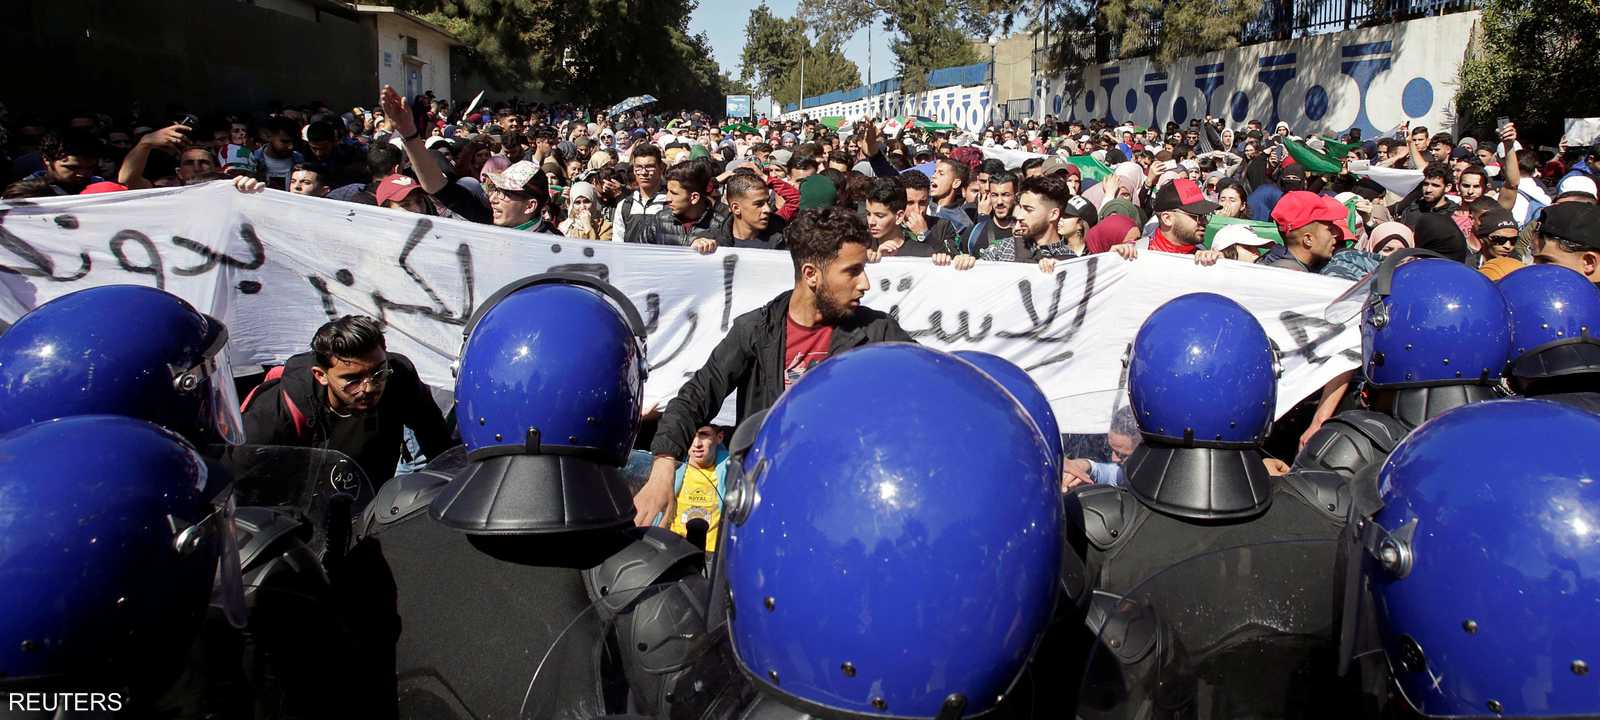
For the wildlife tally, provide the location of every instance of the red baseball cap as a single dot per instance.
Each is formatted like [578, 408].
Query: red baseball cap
[1300, 208]
[104, 186]
[396, 188]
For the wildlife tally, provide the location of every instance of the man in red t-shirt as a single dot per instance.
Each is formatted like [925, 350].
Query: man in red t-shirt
[770, 348]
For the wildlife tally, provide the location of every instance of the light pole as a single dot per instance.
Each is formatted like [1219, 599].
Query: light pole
[994, 84]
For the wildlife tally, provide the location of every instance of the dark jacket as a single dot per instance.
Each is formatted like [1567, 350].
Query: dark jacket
[1412, 207]
[940, 238]
[663, 228]
[750, 359]
[373, 439]
[768, 239]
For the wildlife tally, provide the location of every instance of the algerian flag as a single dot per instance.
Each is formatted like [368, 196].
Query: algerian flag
[1336, 149]
[1311, 160]
[832, 122]
[1090, 168]
[1262, 229]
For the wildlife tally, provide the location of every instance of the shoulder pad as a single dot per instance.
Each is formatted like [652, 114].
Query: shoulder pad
[402, 497]
[657, 556]
[272, 548]
[665, 627]
[1327, 491]
[1127, 628]
[1350, 441]
[258, 528]
[1108, 512]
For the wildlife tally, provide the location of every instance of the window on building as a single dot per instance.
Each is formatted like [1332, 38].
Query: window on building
[411, 45]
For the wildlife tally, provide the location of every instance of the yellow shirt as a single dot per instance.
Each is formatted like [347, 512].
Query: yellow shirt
[698, 499]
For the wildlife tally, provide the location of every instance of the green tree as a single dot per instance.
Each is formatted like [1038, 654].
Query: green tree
[1535, 63]
[1170, 29]
[590, 51]
[770, 62]
[929, 39]
[931, 34]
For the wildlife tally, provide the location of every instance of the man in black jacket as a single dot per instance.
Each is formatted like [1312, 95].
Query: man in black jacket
[770, 348]
[750, 222]
[351, 395]
[690, 216]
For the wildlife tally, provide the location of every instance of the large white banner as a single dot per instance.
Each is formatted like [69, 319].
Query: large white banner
[275, 266]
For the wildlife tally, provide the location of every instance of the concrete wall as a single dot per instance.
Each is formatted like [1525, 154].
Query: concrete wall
[433, 48]
[1372, 79]
[1013, 60]
[202, 55]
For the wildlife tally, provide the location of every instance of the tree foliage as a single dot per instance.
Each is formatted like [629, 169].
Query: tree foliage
[1536, 63]
[770, 62]
[931, 34]
[1170, 29]
[590, 51]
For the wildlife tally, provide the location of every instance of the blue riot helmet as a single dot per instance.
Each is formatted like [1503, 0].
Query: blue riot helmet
[113, 536]
[1555, 326]
[1203, 373]
[548, 393]
[121, 350]
[1484, 565]
[1021, 386]
[1434, 322]
[876, 565]
[1203, 387]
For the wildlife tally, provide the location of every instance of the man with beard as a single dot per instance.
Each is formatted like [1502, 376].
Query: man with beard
[1040, 206]
[1429, 197]
[70, 161]
[770, 348]
[999, 223]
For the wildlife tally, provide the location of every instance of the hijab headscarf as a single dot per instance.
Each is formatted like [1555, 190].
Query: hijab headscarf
[1381, 234]
[582, 188]
[1111, 229]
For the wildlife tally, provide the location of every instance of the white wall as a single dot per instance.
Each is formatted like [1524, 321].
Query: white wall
[965, 106]
[1374, 79]
[432, 47]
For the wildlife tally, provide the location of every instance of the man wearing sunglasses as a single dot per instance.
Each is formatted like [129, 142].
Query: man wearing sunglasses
[348, 394]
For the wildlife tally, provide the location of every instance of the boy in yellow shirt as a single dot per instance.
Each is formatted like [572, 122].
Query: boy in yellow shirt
[701, 484]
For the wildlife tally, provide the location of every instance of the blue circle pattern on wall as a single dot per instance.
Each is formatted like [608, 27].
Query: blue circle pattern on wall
[1316, 102]
[1131, 101]
[1180, 110]
[1241, 106]
[1417, 99]
[1088, 101]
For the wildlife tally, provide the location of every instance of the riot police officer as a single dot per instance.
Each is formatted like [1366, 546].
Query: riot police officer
[1202, 378]
[1555, 335]
[1434, 336]
[868, 569]
[466, 573]
[1477, 578]
[144, 353]
[114, 532]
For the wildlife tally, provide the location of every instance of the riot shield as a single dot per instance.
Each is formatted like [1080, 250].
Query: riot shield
[591, 668]
[325, 487]
[1247, 632]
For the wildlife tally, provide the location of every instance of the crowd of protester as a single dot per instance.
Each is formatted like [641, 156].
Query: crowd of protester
[1037, 191]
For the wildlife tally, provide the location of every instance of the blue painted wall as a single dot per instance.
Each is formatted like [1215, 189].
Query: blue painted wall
[1372, 79]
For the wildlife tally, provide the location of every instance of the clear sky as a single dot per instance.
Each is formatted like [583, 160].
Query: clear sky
[723, 21]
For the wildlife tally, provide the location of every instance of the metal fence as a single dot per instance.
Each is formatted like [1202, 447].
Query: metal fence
[1287, 19]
